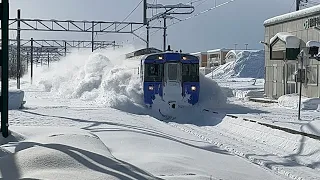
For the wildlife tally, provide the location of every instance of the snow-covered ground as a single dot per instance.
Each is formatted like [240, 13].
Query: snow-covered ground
[85, 114]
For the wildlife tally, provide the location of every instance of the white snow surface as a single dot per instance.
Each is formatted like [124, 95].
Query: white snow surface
[313, 44]
[292, 101]
[106, 101]
[249, 64]
[290, 40]
[314, 10]
[61, 153]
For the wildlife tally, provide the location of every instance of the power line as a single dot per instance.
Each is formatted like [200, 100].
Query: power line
[126, 16]
[132, 11]
[202, 12]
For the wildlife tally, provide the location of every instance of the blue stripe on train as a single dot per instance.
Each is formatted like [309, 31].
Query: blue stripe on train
[194, 98]
[149, 95]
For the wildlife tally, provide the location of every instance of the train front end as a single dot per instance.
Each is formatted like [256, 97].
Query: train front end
[172, 78]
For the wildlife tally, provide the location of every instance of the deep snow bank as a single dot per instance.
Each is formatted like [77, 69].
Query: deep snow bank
[62, 153]
[249, 64]
[15, 99]
[292, 101]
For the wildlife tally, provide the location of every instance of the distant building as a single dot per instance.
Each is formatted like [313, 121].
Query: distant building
[202, 57]
[285, 36]
[216, 57]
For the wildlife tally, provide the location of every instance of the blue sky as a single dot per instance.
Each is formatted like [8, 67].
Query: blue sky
[238, 22]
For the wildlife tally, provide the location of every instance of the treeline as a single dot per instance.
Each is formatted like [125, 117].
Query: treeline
[13, 63]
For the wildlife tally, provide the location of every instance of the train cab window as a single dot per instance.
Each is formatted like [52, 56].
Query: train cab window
[153, 72]
[190, 72]
[194, 69]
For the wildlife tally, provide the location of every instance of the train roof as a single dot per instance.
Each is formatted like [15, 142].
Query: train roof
[173, 54]
[144, 51]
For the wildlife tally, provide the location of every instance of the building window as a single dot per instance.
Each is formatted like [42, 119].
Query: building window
[312, 75]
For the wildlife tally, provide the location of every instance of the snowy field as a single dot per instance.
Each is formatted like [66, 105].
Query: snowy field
[84, 119]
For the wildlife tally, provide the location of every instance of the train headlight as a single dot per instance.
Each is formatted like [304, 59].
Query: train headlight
[151, 88]
[193, 88]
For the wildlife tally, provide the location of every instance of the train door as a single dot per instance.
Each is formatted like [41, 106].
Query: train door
[172, 82]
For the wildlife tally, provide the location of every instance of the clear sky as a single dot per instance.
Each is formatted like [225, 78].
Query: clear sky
[238, 22]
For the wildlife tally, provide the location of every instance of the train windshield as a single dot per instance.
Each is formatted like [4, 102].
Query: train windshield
[153, 72]
[190, 72]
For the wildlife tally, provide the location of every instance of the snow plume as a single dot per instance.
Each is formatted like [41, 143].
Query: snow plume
[99, 76]
[249, 64]
[106, 78]
[211, 94]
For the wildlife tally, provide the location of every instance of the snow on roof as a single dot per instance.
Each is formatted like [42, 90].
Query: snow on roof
[290, 40]
[195, 53]
[218, 50]
[236, 52]
[315, 10]
[313, 43]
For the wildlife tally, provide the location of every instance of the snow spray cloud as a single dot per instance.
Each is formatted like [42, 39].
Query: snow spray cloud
[99, 76]
[106, 78]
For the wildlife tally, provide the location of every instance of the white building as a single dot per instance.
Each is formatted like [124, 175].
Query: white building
[202, 57]
[216, 57]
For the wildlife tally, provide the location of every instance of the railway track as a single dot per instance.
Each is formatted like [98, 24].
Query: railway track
[263, 152]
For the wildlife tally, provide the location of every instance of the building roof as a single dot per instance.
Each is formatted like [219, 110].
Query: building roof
[290, 40]
[315, 10]
[218, 50]
[195, 53]
[239, 51]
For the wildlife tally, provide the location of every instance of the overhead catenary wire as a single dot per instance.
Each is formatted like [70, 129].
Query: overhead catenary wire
[190, 17]
[190, 2]
[127, 15]
[202, 12]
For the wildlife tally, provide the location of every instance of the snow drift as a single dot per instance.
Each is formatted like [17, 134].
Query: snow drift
[15, 99]
[62, 153]
[249, 64]
[292, 101]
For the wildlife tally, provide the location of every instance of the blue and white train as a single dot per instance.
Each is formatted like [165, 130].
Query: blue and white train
[169, 76]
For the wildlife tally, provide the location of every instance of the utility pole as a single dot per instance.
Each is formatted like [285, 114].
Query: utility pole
[4, 56]
[298, 5]
[145, 21]
[300, 89]
[168, 10]
[164, 33]
[18, 50]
